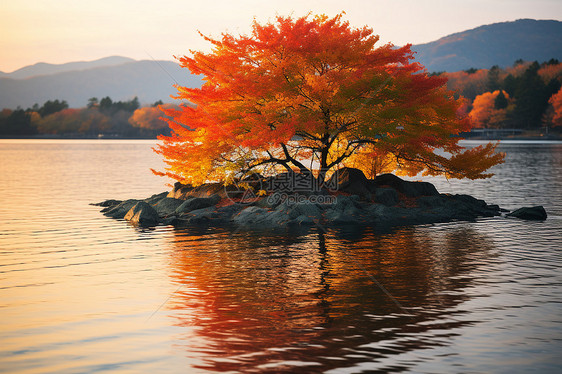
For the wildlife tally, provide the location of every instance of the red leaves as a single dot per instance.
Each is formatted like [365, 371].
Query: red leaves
[297, 88]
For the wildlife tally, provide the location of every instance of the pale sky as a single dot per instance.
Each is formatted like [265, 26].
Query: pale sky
[60, 31]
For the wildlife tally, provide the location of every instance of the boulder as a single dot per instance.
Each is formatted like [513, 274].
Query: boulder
[304, 209]
[250, 216]
[108, 203]
[155, 198]
[195, 203]
[261, 218]
[207, 190]
[120, 210]
[180, 191]
[167, 206]
[345, 210]
[409, 189]
[291, 182]
[352, 181]
[530, 213]
[470, 200]
[390, 215]
[200, 216]
[272, 201]
[387, 196]
[434, 202]
[199, 206]
[142, 214]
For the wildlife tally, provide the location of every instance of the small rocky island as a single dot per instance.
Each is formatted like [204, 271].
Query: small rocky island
[292, 199]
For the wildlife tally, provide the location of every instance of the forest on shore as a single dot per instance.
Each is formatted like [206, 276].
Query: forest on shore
[99, 118]
[524, 96]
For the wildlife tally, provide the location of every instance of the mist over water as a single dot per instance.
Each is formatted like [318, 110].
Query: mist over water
[80, 292]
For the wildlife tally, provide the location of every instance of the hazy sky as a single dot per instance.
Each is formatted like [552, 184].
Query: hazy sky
[59, 31]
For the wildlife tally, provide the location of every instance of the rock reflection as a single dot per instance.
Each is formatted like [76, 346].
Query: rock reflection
[255, 303]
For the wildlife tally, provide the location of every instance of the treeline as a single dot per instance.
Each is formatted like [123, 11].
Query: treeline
[525, 96]
[103, 117]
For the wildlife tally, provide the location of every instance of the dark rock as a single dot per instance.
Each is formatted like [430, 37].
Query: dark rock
[195, 203]
[210, 189]
[291, 182]
[530, 213]
[119, 210]
[410, 189]
[271, 201]
[108, 203]
[433, 202]
[386, 196]
[170, 220]
[391, 215]
[262, 218]
[180, 191]
[156, 198]
[282, 210]
[251, 216]
[142, 214]
[201, 216]
[184, 192]
[470, 200]
[304, 212]
[352, 181]
[345, 210]
[225, 213]
[167, 206]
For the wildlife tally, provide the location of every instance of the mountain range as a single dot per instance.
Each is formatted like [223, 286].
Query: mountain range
[122, 78]
[117, 77]
[496, 44]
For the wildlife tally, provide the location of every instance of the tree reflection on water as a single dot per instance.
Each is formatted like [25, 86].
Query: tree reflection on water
[255, 303]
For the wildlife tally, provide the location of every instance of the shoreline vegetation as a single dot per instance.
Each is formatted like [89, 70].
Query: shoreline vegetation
[525, 97]
[474, 134]
[291, 200]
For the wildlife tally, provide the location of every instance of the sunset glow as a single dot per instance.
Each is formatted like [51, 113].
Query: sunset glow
[33, 31]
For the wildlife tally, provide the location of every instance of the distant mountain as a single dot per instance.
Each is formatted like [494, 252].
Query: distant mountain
[148, 80]
[496, 44]
[122, 78]
[43, 68]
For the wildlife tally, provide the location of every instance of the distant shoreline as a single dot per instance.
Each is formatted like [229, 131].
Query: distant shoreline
[474, 138]
[510, 134]
[75, 137]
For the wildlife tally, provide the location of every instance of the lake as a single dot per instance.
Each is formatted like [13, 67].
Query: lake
[81, 293]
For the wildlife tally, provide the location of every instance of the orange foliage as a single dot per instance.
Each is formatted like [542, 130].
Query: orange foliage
[314, 91]
[484, 114]
[74, 120]
[516, 70]
[556, 101]
[150, 117]
[468, 85]
[549, 72]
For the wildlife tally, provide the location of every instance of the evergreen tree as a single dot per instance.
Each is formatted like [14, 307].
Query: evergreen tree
[51, 107]
[500, 102]
[493, 83]
[531, 98]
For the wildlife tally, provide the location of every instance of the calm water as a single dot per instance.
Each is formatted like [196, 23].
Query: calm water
[80, 292]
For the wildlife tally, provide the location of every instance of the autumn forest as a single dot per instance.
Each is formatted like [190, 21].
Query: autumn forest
[526, 96]
[105, 117]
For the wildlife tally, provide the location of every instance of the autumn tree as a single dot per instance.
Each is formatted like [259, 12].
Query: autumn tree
[556, 102]
[150, 117]
[467, 84]
[314, 94]
[489, 109]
